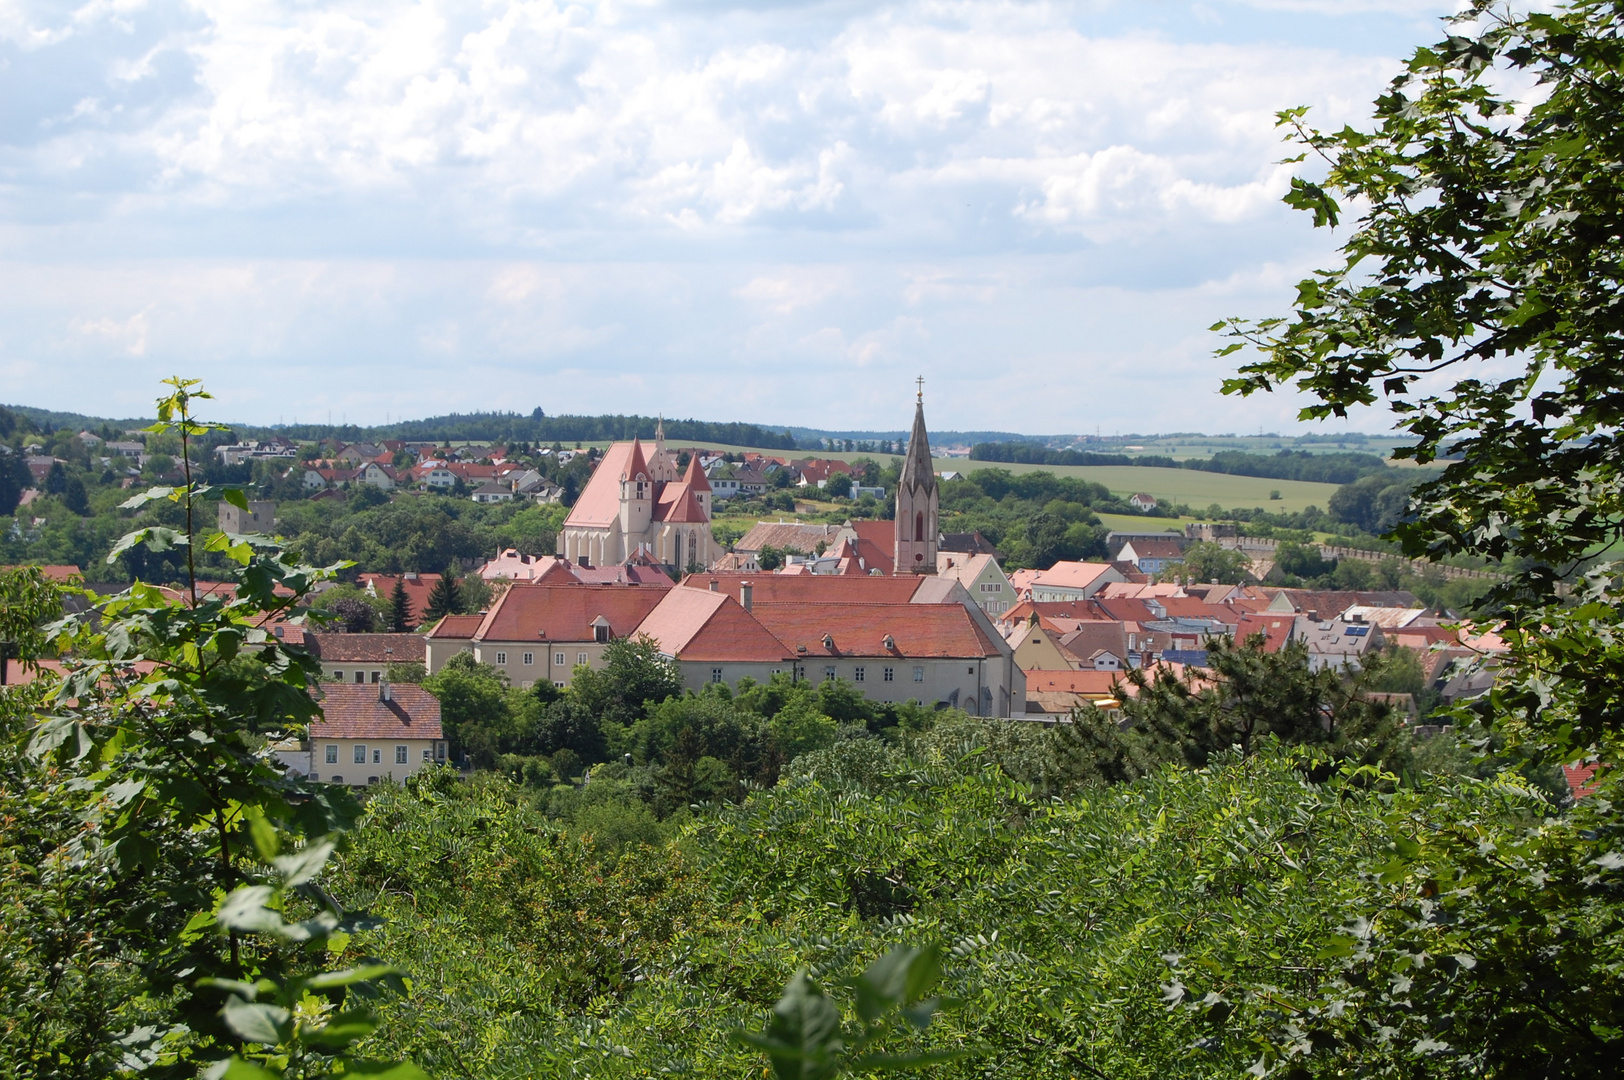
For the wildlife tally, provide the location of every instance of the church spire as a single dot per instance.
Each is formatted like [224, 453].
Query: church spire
[917, 471]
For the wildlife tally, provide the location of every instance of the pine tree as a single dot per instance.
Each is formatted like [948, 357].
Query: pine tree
[400, 608]
[444, 599]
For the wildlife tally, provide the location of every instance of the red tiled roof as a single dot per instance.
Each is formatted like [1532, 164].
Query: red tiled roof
[786, 535]
[1041, 680]
[699, 625]
[1579, 777]
[1190, 607]
[353, 711]
[368, 648]
[457, 626]
[418, 587]
[50, 572]
[531, 612]
[805, 588]
[1156, 548]
[599, 503]
[878, 543]
[695, 478]
[1275, 628]
[859, 629]
[678, 505]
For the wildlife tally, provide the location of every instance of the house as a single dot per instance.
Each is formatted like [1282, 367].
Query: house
[636, 502]
[1058, 692]
[128, 449]
[970, 543]
[1141, 501]
[787, 536]
[362, 658]
[510, 565]
[536, 632]
[816, 473]
[260, 517]
[382, 477]
[433, 473]
[1152, 555]
[1064, 581]
[1337, 643]
[39, 466]
[871, 542]
[492, 492]
[735, 562]
[981, 577]
[317, 477]
[371, 733]
[416, 586]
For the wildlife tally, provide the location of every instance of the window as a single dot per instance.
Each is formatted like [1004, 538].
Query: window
[919, 525]
[829, 674]
[377, 757]
[375, 675]
[558, 658]
[428, 755]
[889, 674]
[994, 587]
[501, 658]
[600, 634]
[919, 674]
[339, 675]
[580, 658]
[360, 677]
[529, 658]
[360, 754]
[335, 778]
[400, 755]
[970, 671]
[559, 683]
[716, 674]
[857, 675]
[332, 753]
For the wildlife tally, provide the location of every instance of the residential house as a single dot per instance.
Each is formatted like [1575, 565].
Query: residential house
[1337, 643]
[537, 632]
[128, 449]
[492, 492]
[981, 577]
[372, 733]
[1329, 604]
[1142, 501]
[1152, 555]
[380, 476]
[363, 658]
[1064, 581]
[417, 588]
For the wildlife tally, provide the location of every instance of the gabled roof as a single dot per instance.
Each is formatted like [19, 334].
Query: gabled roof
[699, 625]
[1066, 575]
[351, 711]
[917, 631]
[456, 626]
[679, 506]
[878, 543]
[786, 535]
[1146, 548]
[599, 503]
[366, 648]
[811, 588]
[417, 586]
[531, 612]
[1275, 628]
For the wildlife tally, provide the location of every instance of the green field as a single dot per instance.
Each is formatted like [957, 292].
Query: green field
[1197, 488]
[1135, 523]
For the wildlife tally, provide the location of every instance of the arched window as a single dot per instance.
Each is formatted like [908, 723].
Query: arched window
[919, 525]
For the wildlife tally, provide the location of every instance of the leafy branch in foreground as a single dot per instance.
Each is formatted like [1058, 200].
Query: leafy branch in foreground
[806, 1039]
[193, 870]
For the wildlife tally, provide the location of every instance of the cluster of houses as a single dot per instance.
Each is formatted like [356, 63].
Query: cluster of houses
[898, 609]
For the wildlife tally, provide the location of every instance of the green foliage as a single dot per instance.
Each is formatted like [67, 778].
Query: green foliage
[445, 598]
[162, 886]
[1206, 561]
[400, 608]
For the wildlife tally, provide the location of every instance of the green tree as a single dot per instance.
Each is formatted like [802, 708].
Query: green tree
[1480, 297]
[1206, 561]
[400, 608]
[445, 598]
[474, 707]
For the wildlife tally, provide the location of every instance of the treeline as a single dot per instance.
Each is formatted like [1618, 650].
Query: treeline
[537, 427]
[1339, 468]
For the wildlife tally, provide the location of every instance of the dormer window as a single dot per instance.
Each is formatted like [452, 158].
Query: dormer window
[600, 630]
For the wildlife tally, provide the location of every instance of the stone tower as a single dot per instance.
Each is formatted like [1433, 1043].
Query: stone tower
[916, 528]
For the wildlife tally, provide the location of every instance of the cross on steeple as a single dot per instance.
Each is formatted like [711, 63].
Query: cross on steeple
[921, 382]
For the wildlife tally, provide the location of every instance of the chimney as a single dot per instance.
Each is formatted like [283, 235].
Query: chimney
[747, 595]
[384, 693]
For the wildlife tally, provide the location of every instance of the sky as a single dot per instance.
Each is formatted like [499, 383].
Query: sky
[775, 212]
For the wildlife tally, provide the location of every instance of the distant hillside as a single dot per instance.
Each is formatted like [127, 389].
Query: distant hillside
[1338, 468]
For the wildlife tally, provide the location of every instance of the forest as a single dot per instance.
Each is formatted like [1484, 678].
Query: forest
[1256, 869]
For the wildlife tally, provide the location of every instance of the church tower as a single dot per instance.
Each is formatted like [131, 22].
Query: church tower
[916, 528]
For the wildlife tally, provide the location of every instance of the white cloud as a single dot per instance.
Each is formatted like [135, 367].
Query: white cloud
[631, 187]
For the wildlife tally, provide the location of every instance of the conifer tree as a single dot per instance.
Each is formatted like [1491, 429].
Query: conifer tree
[444, 599]
[400, 608]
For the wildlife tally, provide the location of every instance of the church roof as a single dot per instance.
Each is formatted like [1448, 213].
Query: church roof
[599, 504]
[678, 505]
[696, 476]
[917, 472]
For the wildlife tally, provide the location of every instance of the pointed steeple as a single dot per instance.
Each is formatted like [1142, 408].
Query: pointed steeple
[917, 471]
[636, 463]
[695, 477]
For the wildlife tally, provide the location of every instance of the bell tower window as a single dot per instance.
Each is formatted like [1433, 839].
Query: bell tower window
[919, 525]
